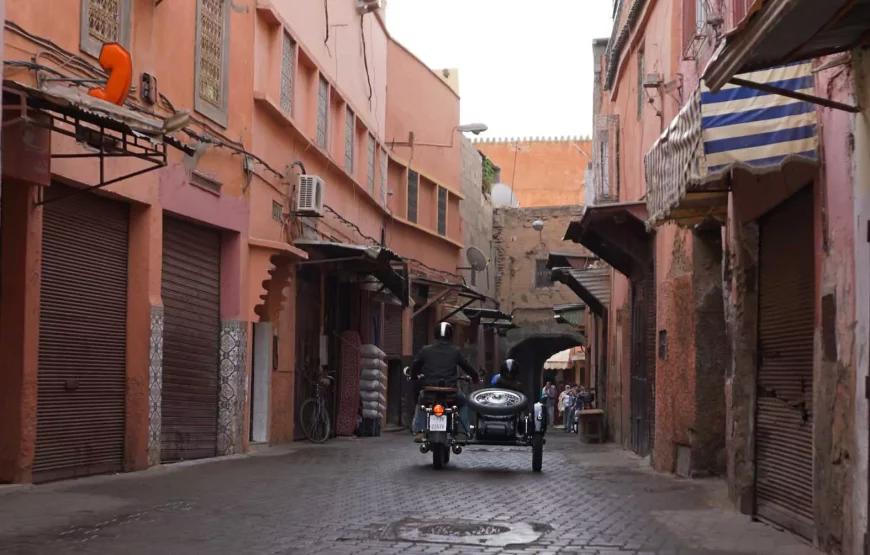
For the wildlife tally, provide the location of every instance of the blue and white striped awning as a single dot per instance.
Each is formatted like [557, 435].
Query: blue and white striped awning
[735, 127]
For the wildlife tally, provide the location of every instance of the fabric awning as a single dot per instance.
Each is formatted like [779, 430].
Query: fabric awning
[777, 32]
[559, 361]
[737, 127]
[379, 262]
[616, 233]
[592, 285]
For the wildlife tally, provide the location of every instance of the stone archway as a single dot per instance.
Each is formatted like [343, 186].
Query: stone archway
[532, 350]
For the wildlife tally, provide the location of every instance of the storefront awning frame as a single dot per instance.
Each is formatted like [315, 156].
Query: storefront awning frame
[109, 131]
[382, 263]
[617, 234]
[777, 32]
[592, 285]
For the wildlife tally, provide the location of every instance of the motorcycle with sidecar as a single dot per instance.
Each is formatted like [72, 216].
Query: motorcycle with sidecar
[502, 419]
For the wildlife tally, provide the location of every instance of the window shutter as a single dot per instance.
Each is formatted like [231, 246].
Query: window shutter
[370, 174]
[442, 211]
[288, 53]
[413, 184]
[322, 110]
[613, 157]
[349, 128]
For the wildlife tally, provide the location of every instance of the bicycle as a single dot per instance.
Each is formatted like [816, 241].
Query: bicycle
[314, 414]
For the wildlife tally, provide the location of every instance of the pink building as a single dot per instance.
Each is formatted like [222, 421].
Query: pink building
[185, 311]
[736, 333]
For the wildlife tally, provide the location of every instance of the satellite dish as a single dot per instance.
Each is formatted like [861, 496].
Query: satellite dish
[476, 259]
[502, 195]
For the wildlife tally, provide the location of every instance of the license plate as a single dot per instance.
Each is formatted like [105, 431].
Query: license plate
[437, 423]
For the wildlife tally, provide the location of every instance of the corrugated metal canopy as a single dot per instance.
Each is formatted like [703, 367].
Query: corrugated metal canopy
[572, 314]
[617, 233]
[777, 32]
[687, 168]
[373, 260]
[569, 260]
[591, 285]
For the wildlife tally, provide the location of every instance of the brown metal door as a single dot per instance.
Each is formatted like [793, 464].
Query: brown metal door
[191, 337]
[82, 337]
[393, 331]
[307, 339]
[784, 428]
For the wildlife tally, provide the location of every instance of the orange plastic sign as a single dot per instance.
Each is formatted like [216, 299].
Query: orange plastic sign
[116, 61]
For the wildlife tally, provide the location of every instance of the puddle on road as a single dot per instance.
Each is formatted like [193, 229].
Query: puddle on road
[466, 532]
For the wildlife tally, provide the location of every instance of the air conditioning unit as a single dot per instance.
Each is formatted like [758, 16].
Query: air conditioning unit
[367, 6]
[310, 199]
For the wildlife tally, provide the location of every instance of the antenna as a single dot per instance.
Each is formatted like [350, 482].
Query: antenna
[476, 259]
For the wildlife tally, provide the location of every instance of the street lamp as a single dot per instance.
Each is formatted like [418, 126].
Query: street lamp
[475, 128]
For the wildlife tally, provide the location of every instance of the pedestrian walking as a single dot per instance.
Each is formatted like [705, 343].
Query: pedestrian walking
[548, 396]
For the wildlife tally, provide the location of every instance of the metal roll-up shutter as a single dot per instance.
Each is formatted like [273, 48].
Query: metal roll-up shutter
[649, 356]
[639, 396]
[393, 331]
[82, 337]
[191, 337]
[784, 428]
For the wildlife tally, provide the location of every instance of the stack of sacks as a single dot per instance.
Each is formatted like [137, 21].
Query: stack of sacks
[373, 382]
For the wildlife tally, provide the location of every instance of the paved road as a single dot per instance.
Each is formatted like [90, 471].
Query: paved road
[380, 496]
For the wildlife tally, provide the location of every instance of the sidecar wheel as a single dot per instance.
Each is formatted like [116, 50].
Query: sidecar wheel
[494, 401]
[537, 452]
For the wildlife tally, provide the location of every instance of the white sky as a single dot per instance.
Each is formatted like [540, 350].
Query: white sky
[525, 66]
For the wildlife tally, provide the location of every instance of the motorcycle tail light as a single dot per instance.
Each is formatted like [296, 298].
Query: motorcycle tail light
[438, 410]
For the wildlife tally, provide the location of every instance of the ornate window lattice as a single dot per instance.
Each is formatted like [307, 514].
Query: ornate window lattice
[104, 20]
[370, 175]
[287, 54]
[322, 111]
[211, 41]
[349, 127]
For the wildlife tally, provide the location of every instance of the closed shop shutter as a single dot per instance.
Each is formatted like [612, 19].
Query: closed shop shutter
[393, 331]
[191, 300]
[784, 430]
[649, 356]
[82, 337]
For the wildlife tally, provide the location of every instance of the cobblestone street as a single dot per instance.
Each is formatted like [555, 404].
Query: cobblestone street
[373, 496]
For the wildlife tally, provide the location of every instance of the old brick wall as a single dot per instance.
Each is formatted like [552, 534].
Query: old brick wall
[476, 216]
[518, 247]
[548, 172]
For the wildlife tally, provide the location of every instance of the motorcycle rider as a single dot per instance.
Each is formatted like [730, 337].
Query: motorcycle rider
[435, 365]
[508, 376]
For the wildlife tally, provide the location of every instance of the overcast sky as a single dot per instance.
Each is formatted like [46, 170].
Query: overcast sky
[525, 66]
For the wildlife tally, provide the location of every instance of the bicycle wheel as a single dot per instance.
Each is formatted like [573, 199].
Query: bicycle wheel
[315, 421]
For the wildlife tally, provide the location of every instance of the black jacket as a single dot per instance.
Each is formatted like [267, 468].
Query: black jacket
[437, 362]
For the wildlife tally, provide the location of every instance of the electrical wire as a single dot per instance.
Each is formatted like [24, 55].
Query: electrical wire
[365, 55]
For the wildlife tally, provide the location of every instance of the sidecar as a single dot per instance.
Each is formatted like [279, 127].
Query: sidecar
[503, 419]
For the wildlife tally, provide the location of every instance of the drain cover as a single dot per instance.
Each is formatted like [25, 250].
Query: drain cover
[466, 532]
[464, 529]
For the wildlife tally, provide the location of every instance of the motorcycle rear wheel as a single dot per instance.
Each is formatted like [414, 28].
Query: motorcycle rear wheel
[439, 458]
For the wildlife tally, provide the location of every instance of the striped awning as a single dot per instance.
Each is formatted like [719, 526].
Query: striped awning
[717, 132]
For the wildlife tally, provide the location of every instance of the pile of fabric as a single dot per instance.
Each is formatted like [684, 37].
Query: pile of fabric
[373, 389]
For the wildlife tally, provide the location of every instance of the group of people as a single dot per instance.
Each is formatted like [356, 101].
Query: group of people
[572, 399]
